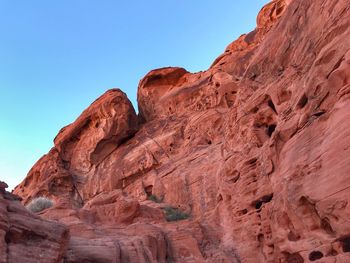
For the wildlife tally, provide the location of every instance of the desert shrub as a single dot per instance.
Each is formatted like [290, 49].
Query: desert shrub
[39, 204]
[155, 199]
[174, 214]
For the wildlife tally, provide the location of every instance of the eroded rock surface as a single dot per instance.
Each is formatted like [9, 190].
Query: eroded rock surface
[255, 150]
[69, 168]
[25, 237]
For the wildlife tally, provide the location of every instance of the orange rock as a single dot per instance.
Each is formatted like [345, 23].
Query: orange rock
[113, 207]
[97, 132]
[255, 150]
[79, 148]
[25, 237]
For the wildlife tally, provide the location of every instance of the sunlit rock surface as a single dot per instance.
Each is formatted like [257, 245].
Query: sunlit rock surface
[255, 151]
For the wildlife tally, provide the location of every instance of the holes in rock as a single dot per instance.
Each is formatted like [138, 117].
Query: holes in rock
[233, 92]
[315, 255]
[345, 244]
[302, 102]
[279, 10]
[253, 76]
[209, 142]
[294, 258]
[280, 70]
[254, 110]
[217, 84]
[242, 212]
[216, 92]
[7, 238]
[258, 204]
[304, 201]
[327, 226]
[272, 106]
[319, 113]
[257, 125]
[271, 129]
[260, 237]
[171, 145]
[149, 190]
[251, 161]
[234, 177]
[97, 124]
[154, 78]
[293, 237]
[265, 199]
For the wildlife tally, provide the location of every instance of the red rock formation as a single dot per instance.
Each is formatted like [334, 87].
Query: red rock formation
[79, 149]
[25, 237]
[97, 132]
[254, 149]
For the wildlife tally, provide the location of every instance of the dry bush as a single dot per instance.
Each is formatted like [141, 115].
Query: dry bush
[39, 204]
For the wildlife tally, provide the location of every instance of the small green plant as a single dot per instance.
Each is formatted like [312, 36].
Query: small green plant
[39, 204]
[155, 199]
[174, 214]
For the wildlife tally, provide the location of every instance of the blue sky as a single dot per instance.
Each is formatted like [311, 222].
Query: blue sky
[57, 56]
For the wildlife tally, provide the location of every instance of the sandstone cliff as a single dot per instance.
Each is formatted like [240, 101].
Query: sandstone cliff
[255, 150]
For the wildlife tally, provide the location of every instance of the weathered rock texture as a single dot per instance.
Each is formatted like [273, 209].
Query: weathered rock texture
[25, 237]
[256, 149]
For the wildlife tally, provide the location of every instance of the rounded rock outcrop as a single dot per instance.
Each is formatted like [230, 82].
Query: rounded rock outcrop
[154, 86]
[99, 130]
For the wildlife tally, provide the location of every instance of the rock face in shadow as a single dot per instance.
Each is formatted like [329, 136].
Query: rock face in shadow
[25, 237]
[252, 153]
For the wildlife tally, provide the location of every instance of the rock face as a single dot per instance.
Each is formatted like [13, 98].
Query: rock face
[80, 148]
[25, 237]
[255, 150]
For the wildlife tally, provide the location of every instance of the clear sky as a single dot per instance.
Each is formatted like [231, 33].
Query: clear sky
[57, 56]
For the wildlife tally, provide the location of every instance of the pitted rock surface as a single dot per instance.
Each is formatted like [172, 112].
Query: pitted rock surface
[255, 150]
